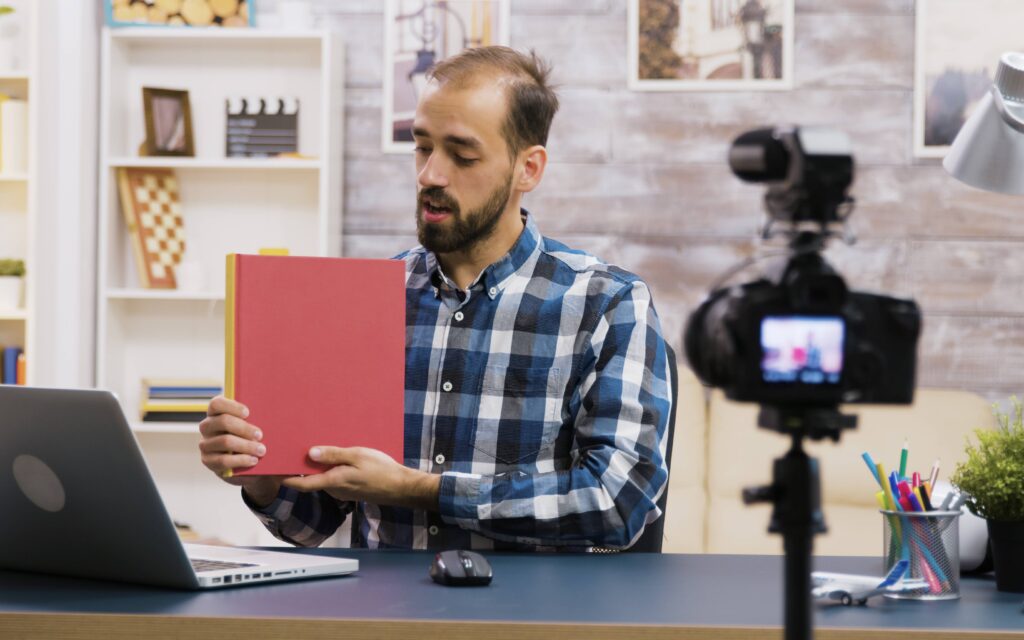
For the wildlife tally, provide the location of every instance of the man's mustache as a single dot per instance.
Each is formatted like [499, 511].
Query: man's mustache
[438, 199]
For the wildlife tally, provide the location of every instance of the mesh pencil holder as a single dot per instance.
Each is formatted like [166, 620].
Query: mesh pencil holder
[930, 541]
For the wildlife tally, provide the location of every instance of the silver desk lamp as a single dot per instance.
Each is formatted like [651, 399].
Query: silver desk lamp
[988, 153]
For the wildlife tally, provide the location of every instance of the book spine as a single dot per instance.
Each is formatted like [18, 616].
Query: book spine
[22, 374]
[230, 299]
[11, 365]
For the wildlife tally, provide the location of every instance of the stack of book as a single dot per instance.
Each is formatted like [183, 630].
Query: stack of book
[177, 400]
[12, 365]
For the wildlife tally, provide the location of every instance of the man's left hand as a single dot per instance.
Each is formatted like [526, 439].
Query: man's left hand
[371, 476]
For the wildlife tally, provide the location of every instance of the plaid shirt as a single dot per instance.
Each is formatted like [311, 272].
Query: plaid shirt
[541, 396]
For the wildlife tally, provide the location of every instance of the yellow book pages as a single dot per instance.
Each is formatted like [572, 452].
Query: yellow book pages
[170, 406]
[229, 328]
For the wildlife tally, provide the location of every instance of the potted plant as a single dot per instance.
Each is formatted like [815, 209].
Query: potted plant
[11, 272]
[993, 475]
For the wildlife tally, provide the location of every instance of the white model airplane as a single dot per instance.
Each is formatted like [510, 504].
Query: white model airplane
[848, 588]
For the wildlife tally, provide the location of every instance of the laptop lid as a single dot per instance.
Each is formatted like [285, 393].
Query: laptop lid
[79, 500]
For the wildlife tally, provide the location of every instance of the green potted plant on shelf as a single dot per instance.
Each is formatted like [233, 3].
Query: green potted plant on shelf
[11, 273]
[993, 475]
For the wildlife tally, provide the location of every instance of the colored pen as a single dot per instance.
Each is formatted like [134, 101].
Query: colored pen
[918, 497]
[915, 480]
[924, 498]
[933, 477]
[905, 490]
[871, 467]
[893, 505]
[903, 459]
[894, 484]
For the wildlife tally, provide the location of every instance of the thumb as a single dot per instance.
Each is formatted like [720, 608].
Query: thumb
[332, 455]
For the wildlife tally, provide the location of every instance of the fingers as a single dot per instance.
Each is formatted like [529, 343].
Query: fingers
[335, 455]
[221, 405]
[337, 479]
[225, 465]
[219, 424]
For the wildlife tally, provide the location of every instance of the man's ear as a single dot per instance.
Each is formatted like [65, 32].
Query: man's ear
[534, 160]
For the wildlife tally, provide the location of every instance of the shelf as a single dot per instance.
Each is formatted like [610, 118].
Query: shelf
[14, 76]
[163, 294]
[194, 34]
[165, 427]
[13, 314]
[259, 164]
[13, 177]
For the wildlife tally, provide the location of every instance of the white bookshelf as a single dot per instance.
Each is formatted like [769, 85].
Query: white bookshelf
[18, 233]
[230, 205]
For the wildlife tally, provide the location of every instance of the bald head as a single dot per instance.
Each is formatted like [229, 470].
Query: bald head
[531, 103]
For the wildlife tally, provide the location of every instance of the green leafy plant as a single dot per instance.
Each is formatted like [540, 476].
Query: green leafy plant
[5, 9]
[12, 267]
[993, 473]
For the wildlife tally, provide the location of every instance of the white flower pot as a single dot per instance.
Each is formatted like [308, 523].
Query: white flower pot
[10, 292]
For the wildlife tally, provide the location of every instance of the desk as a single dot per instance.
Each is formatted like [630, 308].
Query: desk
[532, 596]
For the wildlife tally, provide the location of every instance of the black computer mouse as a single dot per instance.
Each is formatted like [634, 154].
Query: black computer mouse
[459, 567]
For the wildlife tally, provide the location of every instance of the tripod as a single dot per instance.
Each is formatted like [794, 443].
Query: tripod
[795, 493]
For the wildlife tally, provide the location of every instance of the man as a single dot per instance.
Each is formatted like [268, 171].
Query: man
[537, 393]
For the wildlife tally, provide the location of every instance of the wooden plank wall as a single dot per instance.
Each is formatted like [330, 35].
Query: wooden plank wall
[640, 178]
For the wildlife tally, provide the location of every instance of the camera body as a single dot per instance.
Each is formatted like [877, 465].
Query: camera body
[804, 339]
[798, 337]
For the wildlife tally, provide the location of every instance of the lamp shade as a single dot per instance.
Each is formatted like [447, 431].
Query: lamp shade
[988, 153]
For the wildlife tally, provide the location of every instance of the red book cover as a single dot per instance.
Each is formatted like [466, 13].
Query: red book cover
[316, 349]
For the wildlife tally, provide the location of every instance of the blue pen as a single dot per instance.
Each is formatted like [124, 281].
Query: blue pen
[894, 483]
[872, 468]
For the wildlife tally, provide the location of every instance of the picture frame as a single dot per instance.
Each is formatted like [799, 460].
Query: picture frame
[957, 52]
[418, 34]
[168, 122]
[195, 14]
[727, 45]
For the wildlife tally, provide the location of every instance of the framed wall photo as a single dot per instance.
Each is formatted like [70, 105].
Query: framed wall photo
[178, 13]
[958, 49]
[710, 45]
[419, 33]
[168, 122]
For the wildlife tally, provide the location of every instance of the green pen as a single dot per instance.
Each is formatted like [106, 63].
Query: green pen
[903, 461]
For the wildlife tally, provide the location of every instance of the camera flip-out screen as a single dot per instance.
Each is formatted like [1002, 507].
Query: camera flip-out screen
[802, 349]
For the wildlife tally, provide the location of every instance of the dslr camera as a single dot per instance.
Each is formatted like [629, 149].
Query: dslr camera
[797, 337]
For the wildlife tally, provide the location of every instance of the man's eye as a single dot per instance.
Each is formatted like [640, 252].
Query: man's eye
[464, 162]
[423, 150]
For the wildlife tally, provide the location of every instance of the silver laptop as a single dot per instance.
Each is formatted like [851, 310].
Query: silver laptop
[78, 500]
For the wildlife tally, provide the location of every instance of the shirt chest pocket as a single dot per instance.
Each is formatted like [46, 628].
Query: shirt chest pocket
[519, 413]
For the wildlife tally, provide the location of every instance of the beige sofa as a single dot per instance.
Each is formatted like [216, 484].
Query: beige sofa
[719, 449]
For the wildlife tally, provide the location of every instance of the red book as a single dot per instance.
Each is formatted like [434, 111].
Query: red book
[315, 348]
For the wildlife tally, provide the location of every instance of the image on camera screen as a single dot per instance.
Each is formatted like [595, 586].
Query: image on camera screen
[802, 349]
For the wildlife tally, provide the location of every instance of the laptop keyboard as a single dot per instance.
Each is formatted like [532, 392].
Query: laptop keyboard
[200, 565]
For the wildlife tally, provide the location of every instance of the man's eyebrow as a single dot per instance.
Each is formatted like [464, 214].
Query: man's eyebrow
[461, 141]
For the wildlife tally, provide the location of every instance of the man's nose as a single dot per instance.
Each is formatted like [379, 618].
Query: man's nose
[432, 173]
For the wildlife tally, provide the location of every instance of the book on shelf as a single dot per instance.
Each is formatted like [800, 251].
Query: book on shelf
[315, 348]
[11, 358]
[177, 399]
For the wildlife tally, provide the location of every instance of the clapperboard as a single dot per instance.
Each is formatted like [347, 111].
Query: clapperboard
[259, 127]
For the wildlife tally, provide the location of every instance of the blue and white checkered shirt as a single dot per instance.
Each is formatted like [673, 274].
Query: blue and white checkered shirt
[540, 394]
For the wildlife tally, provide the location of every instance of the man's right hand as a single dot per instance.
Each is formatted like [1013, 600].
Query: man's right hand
[229, 443]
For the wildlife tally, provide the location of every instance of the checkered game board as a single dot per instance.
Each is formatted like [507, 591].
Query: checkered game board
[152, 209]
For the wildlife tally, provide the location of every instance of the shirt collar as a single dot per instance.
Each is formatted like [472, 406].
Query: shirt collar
[494, 277]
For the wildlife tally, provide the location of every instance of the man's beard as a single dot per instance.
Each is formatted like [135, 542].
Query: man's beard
[463, 231]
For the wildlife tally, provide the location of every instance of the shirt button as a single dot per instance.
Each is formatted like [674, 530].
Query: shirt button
[493, 291]
[447, 386]
[439, 458]
[432, 530]
[459, 316]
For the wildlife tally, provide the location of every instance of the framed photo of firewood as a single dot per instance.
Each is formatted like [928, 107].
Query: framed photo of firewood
[178, 13]
[168, 122]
